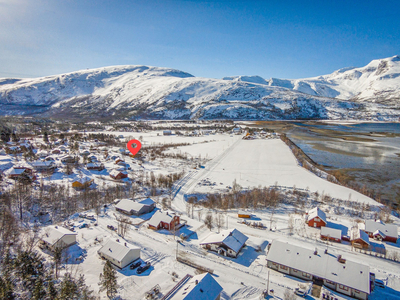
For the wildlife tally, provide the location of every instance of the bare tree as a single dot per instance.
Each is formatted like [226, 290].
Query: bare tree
[123, 225]
[220, 221]
[209, 221]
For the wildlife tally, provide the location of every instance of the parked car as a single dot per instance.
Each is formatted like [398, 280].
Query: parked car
[84, 225]
[111, 227]
[300, 292]
[141, 269]
[135, 265]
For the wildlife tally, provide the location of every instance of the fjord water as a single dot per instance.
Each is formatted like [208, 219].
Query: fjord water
[368, 151]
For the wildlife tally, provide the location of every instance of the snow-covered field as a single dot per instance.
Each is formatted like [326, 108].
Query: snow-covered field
[265, 162]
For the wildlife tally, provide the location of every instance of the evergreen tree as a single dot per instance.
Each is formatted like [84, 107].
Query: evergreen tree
[45, 137]
[39, 291]
[108, 280]
[69, 289]
[14, 137]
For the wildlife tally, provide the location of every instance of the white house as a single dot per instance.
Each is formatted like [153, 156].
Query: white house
[130, 207]
[344, 276]
[57, 237]
[119, 254]
[202, 286]
[227, 242]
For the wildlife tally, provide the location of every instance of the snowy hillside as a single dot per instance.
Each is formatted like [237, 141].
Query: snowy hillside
[379, 81]
[152, 92]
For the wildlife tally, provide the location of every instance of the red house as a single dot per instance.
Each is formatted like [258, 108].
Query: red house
[114, 174]
[380, 231]
[359, 239]
[164, 221]
[331, 234]
[316, 218]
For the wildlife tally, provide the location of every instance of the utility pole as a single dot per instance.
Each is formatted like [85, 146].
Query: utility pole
[268, 284]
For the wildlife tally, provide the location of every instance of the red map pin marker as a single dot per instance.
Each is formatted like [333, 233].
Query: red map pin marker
[133, 150]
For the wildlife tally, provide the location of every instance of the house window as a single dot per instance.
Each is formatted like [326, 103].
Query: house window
[283, 267]
[306, 275]
[295, 271]
[316, 219]
[330, 282]
[343, 287]
[356, 291]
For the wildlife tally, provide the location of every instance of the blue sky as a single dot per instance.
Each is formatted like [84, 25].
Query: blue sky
[283, 39]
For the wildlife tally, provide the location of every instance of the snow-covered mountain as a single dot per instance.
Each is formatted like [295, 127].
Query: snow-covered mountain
[152, 92]
[379, 81]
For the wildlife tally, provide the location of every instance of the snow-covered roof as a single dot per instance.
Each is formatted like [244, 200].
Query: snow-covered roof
[378, 232]
[331, 232]
[116, 250]
[207, 288]
[323, 265]
[128, 205]
[39, 164]
[18, 171]
[359, 234]
[83, 180]
[387, 229]
[147, 201]
[94, 165]
[52, 234]
[316, 212]
[116, 172]
[160, 217]
[233, 239]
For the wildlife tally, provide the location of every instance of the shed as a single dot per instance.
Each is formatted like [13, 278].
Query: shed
[119, 254]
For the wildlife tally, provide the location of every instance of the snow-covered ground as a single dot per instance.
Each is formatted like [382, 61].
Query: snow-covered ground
[265, 162]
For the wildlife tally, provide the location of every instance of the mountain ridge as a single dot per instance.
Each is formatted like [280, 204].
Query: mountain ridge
[130, 91]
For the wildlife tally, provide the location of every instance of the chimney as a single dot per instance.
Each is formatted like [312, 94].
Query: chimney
[126, 245]
[196, 282]
[316, 251]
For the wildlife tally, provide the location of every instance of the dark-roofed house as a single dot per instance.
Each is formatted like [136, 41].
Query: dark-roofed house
[95, 166]
[119, 254]
[227, 242]
[316, 218]
[131, 207]
[344, 276]
[380, 230]
[198, 287]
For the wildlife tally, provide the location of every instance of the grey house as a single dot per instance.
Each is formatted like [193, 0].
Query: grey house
[131, 207]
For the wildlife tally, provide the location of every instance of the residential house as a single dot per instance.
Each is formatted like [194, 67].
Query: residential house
[167, 132]
[115, 174]
[120, 254]
[316, 218]
[165, 220]
[380, 230]
[57, 237]
[244, 214]
[82, 183]
[331, 234]
[95, 166]
[130, 207]
[21, 172]
[227, 242]
[68, 159]
[41, 166]
[359, 239]
[344, 276]
[202, 286]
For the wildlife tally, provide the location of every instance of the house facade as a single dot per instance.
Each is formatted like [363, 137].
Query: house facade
[117, 175]
[344, 276]
[359, 239]
[162, 220]
[57, 237]
[331, 234]
[316, 218]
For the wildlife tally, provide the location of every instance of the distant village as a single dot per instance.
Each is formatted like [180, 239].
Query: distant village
[92, 203]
